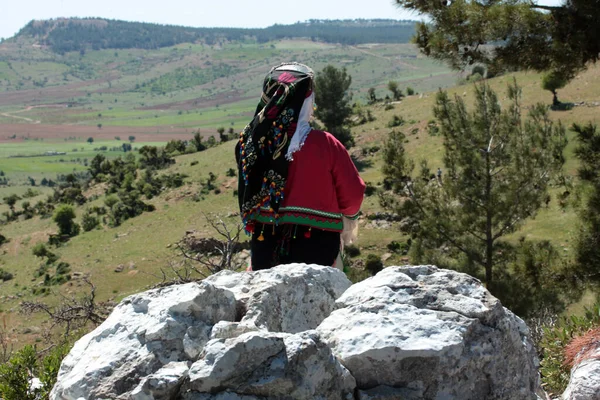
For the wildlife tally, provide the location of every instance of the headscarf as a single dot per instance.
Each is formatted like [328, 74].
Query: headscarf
[267, 144]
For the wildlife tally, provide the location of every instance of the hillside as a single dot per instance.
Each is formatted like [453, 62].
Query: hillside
[56, 102]
[144, 245]
[65, 35]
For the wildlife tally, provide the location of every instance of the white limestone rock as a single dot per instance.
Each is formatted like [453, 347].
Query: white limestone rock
[164, 384]
[271, 365]
[585, 379]
[143, 333]
[436, 333]
[289, 298]
[407, 333]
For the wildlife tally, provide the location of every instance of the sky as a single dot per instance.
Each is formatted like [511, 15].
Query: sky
[197, 13]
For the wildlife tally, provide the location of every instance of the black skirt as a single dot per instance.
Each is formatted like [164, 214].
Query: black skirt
[274, 245]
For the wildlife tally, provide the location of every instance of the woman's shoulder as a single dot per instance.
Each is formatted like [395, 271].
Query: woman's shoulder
[322, 136]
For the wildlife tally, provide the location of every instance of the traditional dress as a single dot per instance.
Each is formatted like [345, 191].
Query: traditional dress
[296, 184]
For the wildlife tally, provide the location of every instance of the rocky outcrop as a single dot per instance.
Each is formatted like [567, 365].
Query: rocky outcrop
[436, 334]
[303, 332]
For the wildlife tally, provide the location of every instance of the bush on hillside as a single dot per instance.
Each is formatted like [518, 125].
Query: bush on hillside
[5, 275]
[373, 264]
[89, 221]
[555, 371]
[396, 121]
[352, 250]
[16, 374]
[64, 217]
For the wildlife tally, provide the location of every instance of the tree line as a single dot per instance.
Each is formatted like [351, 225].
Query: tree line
[82, 34]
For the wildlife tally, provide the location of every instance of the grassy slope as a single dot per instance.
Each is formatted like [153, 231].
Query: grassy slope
[144, 241]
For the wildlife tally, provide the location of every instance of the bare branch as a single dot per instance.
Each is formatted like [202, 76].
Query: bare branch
[72, 313]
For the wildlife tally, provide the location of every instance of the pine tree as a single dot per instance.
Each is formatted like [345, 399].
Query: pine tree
[587, 247]
[497, 171]
[396, 167]
[333, 102]
[524, 34]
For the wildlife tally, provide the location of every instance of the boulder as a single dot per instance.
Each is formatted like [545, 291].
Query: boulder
[152, 335]
[428, 333]
[304, 332]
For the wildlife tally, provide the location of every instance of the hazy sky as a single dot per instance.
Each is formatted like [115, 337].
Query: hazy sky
[236, 13]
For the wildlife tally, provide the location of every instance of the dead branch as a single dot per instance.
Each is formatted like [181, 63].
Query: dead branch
[72, 313]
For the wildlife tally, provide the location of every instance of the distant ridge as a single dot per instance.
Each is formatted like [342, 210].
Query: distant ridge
[77, 34]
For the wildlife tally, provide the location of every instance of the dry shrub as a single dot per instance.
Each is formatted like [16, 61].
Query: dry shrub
[582, 347]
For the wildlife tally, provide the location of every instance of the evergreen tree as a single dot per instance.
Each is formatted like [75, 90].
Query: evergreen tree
[396, 91]
[497, 171]
[333, 102]
[64, 216]
[524, 34]
[587, 247]
[396, 167]
[552, 81]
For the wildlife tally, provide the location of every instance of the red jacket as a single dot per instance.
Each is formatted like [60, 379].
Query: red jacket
[322, 186]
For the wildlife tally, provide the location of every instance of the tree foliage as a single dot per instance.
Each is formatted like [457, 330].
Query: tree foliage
[333, 100]
[395, 89]
[518, 34]
[497, 171]
[64, 216]
[587, 247]
[396, 167]
[552, 81]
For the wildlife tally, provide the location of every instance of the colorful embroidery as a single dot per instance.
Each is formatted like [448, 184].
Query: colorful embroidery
[263, 141]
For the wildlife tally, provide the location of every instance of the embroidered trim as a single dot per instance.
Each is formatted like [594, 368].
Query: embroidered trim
[353, 217]
[310, 211]
[330, 225]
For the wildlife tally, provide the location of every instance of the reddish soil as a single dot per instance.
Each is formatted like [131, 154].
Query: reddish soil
[222, 98]
[142, 134]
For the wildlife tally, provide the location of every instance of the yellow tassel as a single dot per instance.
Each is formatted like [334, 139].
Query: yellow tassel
[261, 237]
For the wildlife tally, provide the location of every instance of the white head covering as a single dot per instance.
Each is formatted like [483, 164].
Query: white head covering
[303, 128]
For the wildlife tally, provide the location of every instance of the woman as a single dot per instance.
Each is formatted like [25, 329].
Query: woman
[296, 184]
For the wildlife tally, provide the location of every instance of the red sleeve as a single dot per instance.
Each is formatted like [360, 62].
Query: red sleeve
[349, 186]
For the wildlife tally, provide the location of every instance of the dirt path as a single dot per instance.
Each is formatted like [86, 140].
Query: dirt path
[23, 118]
[29, 108]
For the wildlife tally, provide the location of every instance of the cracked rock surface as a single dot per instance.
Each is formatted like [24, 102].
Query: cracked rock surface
[304, 332]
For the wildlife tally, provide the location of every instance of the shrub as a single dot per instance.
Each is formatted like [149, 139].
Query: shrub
[3, 239]
[89, 221]
[64, 216]
[410, 91]
[373, 264]
[555, 371]
[16, 374]
[231, 172]
[370, 189]
[5, 275]
[396, 121]
[352, 250]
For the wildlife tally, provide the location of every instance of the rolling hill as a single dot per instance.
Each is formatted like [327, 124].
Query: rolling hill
[50, 100]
